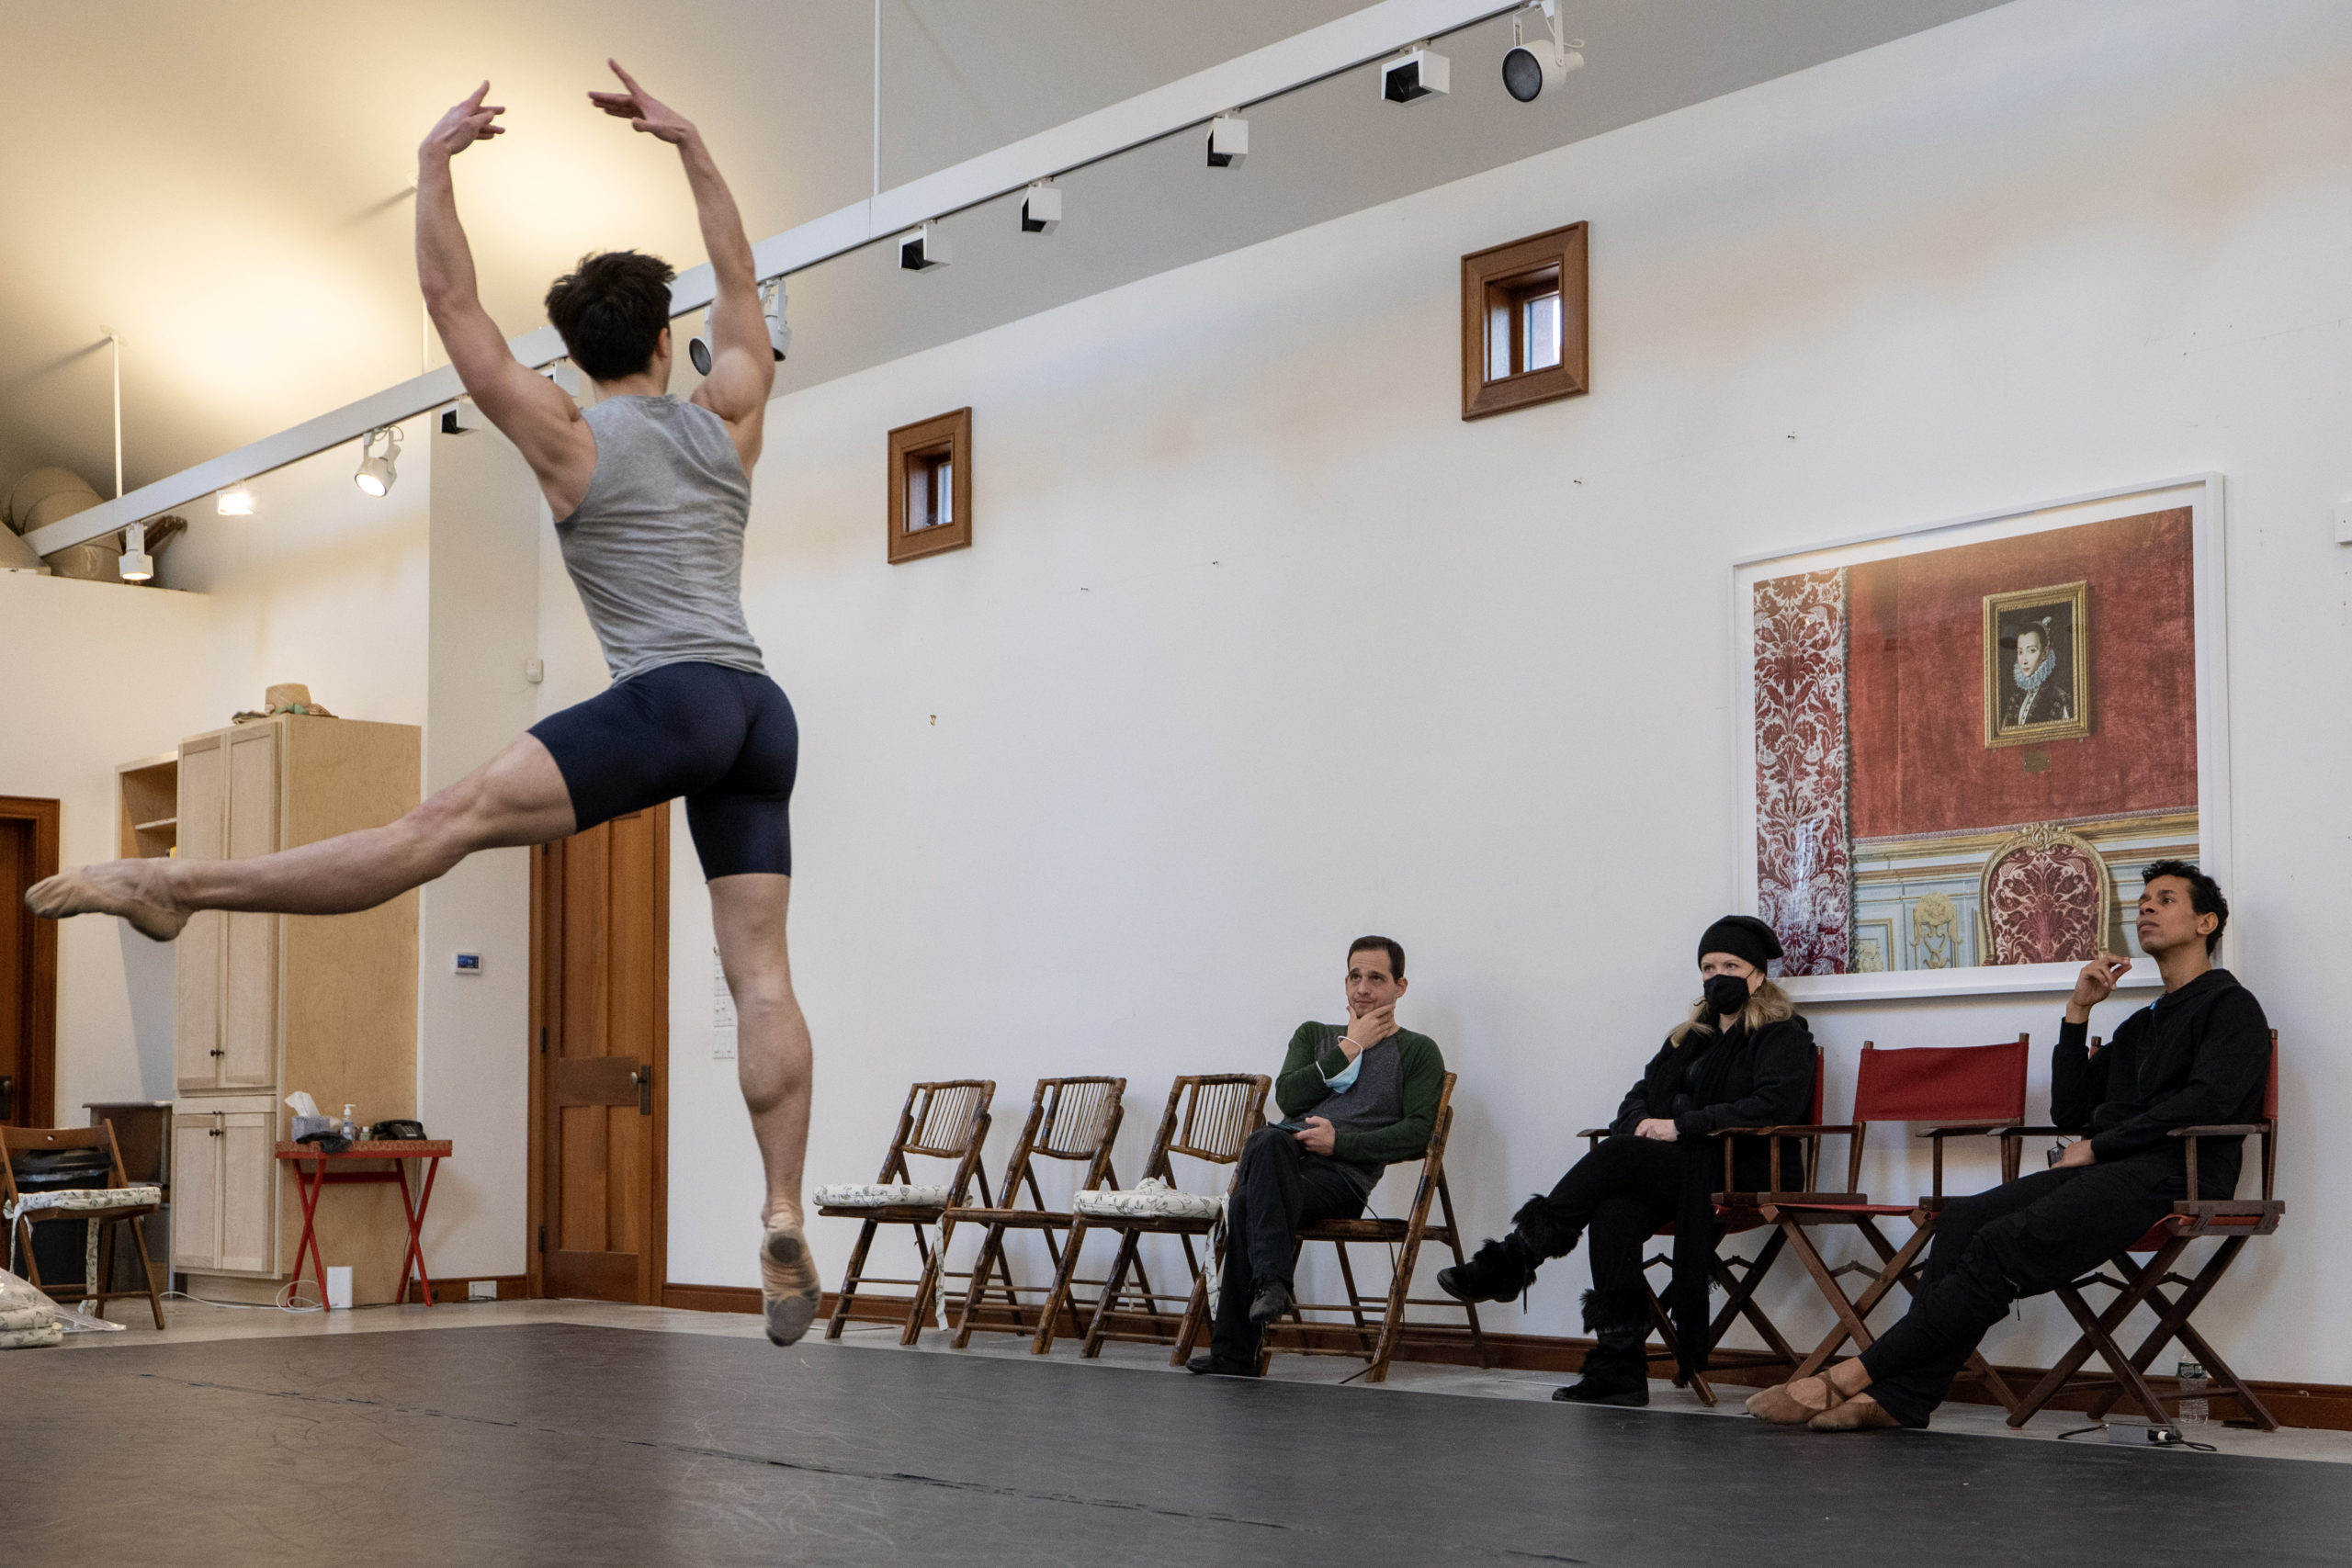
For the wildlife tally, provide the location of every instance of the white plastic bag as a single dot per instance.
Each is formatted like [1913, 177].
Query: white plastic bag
[19, 1297]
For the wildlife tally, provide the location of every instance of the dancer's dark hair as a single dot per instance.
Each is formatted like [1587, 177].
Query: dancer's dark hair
[611, 312]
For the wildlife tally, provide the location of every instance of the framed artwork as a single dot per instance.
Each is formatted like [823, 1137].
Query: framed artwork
[1961, 743]
[2037, 665]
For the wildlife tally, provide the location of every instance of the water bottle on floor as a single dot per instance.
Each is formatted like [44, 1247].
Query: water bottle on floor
[2194, 1386]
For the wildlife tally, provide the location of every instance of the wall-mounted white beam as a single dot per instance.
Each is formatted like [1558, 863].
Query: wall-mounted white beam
[1369, 34]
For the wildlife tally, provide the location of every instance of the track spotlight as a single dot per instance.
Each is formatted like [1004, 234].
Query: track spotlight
[378, 470]
[138, 566]
[1416, 73]
[1530, 68]
[921, 249]
[1228, 140]
[1041, 208]
[772, 307]
[236, 501]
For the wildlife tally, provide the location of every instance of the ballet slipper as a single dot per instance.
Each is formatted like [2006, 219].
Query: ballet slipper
[789, 1288]
[1859, 1414]
[1793, 1404]
[131, 888]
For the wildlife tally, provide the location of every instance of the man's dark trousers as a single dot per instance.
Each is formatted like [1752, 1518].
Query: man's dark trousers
[1278, 1187]
[2021, 1239]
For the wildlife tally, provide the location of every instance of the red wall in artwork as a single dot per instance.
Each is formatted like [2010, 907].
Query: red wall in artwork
[1916, 669]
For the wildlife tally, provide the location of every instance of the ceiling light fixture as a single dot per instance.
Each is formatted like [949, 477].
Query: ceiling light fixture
[138, 566]
[1528, 68]
[1228, 140]
[378, 470]
[235, 502]
[920, 250]
[1041, 208]
[1419, 72]
[773, 303]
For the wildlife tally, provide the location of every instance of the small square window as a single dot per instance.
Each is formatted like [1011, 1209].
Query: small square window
[931, 486]
[1524, 322]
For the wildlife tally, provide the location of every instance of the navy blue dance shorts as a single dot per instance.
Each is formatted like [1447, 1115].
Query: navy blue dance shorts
[725, 739]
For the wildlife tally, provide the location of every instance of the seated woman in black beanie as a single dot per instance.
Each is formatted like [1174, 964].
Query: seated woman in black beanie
[1743, 1058]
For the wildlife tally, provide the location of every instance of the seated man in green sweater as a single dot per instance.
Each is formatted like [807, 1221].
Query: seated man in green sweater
[1354, 1096]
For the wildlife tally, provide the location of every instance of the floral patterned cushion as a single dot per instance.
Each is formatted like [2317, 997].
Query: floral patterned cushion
[881, 1195]
[1153, 1199]
[25, 1339]
[86, 1197]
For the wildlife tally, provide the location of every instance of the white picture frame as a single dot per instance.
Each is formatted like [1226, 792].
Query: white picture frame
[2202, 494]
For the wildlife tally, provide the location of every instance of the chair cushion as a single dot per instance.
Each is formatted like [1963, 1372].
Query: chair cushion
[27, 1338]
[85, 1199]
[881, 1195]
[1151, 1200]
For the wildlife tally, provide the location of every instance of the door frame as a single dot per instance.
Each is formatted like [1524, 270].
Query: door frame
[543, 980]
[36, 1096]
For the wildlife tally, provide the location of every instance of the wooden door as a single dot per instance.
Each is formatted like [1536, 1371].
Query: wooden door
[203, 810]
[195, 1189]
[249, 994]
[600, 960]
[28, 849]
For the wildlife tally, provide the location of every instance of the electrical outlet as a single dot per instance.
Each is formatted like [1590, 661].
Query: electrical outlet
[481, 1290]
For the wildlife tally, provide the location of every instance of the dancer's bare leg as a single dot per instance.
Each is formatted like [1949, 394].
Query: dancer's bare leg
[516, 797]
[772, 1063]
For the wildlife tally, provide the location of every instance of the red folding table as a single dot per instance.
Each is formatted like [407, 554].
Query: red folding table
[312, 1175]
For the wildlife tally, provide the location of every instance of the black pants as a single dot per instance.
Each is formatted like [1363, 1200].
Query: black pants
[2021, 1239]
[1278, 1187]
[1622, 1192]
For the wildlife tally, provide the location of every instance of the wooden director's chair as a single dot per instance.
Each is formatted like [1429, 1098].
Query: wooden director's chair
[1967, 1090]
[102, 1210]
[2234, 1220]
[1072, 1120]
[945, 1121]
[1375, 1344]
[1208, 1119]
[1737, 1214]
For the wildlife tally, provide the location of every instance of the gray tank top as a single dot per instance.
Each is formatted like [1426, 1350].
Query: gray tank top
[656, 546]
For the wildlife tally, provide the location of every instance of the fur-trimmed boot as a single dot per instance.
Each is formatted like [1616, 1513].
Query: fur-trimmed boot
[1616, 1370]
[1498, 1271]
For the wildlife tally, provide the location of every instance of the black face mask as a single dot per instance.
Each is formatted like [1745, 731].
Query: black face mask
[1726, 993]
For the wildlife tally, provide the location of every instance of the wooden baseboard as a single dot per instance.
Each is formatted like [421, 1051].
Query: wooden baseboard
[712, 1298]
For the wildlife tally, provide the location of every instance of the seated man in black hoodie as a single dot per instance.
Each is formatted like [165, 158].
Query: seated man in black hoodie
[2196, 1055]
[1742, 1058]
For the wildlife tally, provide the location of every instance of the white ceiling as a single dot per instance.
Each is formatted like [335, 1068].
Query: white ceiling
[226, 186]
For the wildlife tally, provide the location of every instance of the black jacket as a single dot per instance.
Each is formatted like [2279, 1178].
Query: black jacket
[2192, 1057]
[1742, 1080]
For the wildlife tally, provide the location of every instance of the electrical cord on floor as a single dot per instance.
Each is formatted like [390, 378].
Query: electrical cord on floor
[2184, 1443]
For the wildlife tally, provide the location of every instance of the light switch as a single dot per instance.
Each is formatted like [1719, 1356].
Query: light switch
[2343, 522]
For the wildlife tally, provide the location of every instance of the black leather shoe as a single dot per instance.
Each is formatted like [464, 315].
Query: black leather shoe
[1273, 1300]
[1612, 1375]
[1209, 1366]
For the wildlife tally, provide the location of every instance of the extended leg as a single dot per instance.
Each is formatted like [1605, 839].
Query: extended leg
[516, 797]
[772, 1065]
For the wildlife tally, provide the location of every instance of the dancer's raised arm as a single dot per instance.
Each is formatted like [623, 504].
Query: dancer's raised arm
[533, 412]
[743, 369]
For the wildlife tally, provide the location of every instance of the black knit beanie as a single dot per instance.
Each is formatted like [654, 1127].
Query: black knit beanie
[1742, 936]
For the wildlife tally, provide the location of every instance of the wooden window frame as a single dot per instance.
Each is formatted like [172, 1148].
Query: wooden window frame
[1501, 275]
[950, 433]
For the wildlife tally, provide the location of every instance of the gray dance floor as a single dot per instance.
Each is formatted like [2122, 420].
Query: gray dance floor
[551, 1443]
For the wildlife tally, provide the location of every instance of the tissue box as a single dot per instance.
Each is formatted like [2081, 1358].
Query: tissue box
[306, 1125]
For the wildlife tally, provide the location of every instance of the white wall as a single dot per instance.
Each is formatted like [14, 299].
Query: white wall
[1261, 647]
[98, 674]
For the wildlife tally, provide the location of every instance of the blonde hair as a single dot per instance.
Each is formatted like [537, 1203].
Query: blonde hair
[1766, 1004]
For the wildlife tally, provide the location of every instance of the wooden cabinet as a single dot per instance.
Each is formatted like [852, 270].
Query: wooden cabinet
[223, 1215]
[269, 1004]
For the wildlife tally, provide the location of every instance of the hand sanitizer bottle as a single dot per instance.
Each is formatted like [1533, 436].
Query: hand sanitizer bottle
[349, 1129]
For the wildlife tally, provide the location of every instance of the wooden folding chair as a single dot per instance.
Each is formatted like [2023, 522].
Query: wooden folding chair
[947, 1120]
[1736, 1277]
[1404, 1237]
[1073, 1120]
[2234, 1220]
[103, 1209]
[1968, 1090]
[1208, 1119]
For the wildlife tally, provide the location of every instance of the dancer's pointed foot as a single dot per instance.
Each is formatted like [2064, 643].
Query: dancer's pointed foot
[132, 888]
[1859, 1414]
[789, 1288]
[1793, 1404]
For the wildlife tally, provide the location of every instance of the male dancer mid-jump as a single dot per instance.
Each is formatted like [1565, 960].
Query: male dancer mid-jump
[651, 496]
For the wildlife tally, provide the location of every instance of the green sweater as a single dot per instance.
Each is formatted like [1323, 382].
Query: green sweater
[1301, 1087]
